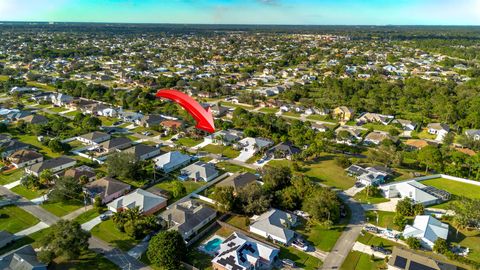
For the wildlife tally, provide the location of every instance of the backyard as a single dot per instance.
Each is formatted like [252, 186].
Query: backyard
[455, 188]
[301, 259]
[14, 219]
[190, 186]
[385, 219]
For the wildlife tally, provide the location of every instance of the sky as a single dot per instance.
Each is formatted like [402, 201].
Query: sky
[296, 12]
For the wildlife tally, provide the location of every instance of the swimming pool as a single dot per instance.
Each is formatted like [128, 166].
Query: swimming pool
[213, 245]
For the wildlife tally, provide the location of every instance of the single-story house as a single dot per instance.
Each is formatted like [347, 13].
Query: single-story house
[60, 99]
[107, 188]
[274, 224]
[439, 129]
[406, 124]
[354, 134]
[320, 127]
[427, 229]
[219, 110]
[375, 118]
[254, 144]
[24, 258]
[113, 144]
[227, 137]
[200, 171]
[188, 217]
[80, 171]
[147, 202]
[376, 137]
[238, 181]
[143, 151]
[403, 259]
[24, 158]
[171, 161]
[417, 144]
[343, 113]
[150, 120]
[418, 192]
[35, 119]
[12, 146]
[241, 252]
[473, 134]
[94, 138]
[284, 150]
[5, 238]
[172, 124]
[370, 175]
[54, 165]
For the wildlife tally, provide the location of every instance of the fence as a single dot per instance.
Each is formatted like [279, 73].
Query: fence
[203, 198]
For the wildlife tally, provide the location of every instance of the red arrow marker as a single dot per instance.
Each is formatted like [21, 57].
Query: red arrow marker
[203, 117]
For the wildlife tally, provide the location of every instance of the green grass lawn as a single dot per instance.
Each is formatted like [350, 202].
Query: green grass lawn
[325, 171]
[370, 239]
[28, 193]
[190, 186]
[3, 78]
[11, 176]
[188, 142]
[229, 104]
[31, 139]
[377, 126]
[14, 219]
[360, 261]
[88, 260]
[226, 151]
[240, 222]
[362, 197]
[301, 259]
[41, 85]
[292, 114]
[57, 109]
[107, 121]
[87, 216]
[423, 135]
[229, 167]
[32, 239]
[73, 113]
[60, 209]
[466, 238]
[325, 118]
[269, 110]
[107, 232]
[385, 219]
[454, 187]
[321, 237]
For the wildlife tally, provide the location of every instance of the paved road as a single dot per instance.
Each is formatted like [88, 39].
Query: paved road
[120, 258]
[344, 245]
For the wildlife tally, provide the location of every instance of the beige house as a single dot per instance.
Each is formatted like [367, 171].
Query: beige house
[343, 113]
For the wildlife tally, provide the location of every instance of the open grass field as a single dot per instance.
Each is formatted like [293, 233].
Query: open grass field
[360, 261]
[301, 259]
[325, 171]
[188, 142]
[269, 110]
[226, 151]
[11, 176]
[60, 209]
[14, 219]
[28, 193]
[454, 187]
[107, 232]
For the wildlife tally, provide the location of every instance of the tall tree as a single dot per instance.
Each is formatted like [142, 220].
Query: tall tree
[167, 249]
[67, 239]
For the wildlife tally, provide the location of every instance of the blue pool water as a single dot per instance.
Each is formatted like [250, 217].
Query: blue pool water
[213, 245]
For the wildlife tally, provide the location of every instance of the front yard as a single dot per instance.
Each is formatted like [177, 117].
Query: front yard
[109, 233]
[320, 236]
[30, 139]
[188, 142]
[14, 219]
[60, 209]
[28, 193]
[362, 197]
[233, 168]
[385, 219]
[11, 176]
[360, 261]
[226, 151]
[301, 259]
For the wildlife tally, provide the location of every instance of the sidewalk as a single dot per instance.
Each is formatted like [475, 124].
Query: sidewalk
[367, 250]
[88, 226]
[12, 185]
[77, 212]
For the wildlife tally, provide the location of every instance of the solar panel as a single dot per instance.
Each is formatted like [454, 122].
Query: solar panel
[441, 194]
[400, 262]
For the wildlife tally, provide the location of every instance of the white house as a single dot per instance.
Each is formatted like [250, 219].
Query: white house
[274, 224]
[241, 252]
[439, 129]
[54, 165]
[473, 134]
[200, 171]
[427, 229]
[147, 202]
[416, 191]
[171, 161]
[94, 138]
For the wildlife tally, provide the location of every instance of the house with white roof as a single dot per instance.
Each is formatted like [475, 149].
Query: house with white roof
[241, 252]
[418, 192]
[274, 224]
[171, 161]
[427, 229]
[200, 171]
[439, 129]
[147, 202]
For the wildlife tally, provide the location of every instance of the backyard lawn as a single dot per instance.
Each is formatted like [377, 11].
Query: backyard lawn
[107, 232]
[385, 219]
[301, 259]
[240, 222]
[362, 197]
[189, 185]
[269, 110]
[226, 151]
[31, 139]
[455, 187]
[60, 209]
[14, 219]
[41, 86]
[28, 193]
[324, 118]
[466, 238]
[188, 142]
[11, 176]
[325, 171]
[321, 237]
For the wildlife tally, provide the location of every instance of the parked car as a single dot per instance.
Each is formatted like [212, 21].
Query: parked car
[288, 262]
[371, 229]
[104, 217]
